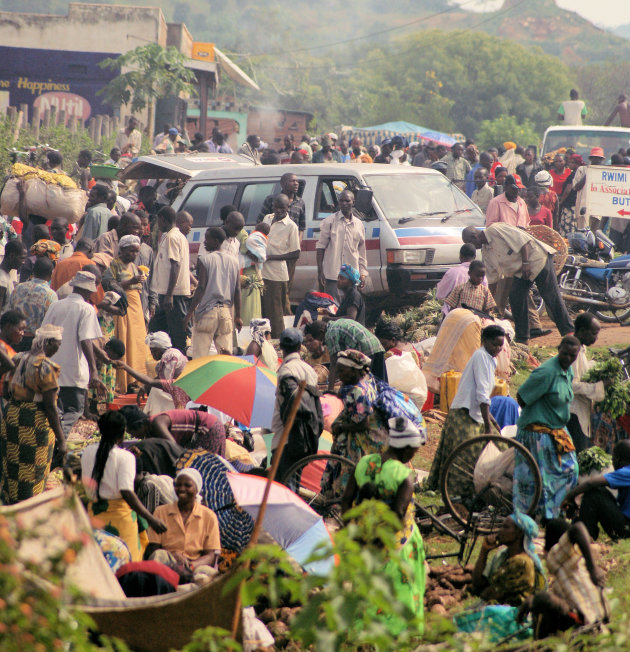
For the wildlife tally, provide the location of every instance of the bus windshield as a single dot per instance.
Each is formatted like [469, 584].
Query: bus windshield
[582, 140]
[423, 198]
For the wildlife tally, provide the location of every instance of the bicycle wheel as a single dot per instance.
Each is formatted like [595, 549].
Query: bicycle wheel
[477, 481]
[305, 479]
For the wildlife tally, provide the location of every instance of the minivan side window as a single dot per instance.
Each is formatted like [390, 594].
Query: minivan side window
[205, 202]
[253, 197]
[328, 193]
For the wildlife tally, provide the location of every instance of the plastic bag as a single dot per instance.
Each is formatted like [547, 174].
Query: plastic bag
[496, 468]
[403, 374]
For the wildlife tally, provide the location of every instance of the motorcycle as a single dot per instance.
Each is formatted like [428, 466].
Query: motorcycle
[598, 283]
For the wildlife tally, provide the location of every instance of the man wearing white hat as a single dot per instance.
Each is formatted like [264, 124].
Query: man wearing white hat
[76, 354]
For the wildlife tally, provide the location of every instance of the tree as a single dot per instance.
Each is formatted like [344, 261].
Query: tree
[154, 73]
[506, 127]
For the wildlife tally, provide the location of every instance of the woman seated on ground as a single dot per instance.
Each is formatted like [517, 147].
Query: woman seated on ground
[108, 473]
[188, 428]
[513, 573]
[361, 428]
[261, 346]
[170, 364]
[469, 415]
[507, 581]
[387, 477]
[575, 597]
[505, 411]
[235, 524]
[352, 304]
[191, 544]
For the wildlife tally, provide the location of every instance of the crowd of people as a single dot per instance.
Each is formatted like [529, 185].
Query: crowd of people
[111, 306]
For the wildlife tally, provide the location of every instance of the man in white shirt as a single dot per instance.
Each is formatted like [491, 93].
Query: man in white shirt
[219, 290]
[171, 277]
[572, 111]
[75, 356]
[584, 394]
[129, 139]
[283, 244]
[341, 241]
[469, 413]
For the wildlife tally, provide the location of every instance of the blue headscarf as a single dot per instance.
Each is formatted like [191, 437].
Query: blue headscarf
[530, 531]
[504, 409]
[350, 273]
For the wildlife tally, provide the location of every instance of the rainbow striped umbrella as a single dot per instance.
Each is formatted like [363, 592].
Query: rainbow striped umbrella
[240, 386]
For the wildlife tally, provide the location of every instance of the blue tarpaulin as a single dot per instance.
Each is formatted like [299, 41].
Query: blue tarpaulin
[374, 135]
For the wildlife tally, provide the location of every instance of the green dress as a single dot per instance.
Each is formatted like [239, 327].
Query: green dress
[387, 477]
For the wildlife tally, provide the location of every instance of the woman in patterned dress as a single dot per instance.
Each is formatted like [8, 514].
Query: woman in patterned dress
[32, 425]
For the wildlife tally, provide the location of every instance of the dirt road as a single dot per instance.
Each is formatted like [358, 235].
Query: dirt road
[612, 335]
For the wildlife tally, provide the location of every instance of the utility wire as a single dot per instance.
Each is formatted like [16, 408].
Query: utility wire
[358, 38]
[424, 44]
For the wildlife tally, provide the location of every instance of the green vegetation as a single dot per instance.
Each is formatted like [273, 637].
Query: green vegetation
[431, 62]
[155, 72]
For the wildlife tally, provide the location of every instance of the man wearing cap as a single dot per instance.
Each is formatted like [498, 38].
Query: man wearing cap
[170, 142]
[431, 156]
[596, 157]
[457, 167]
[508, 207]
[515, 254]
[293, 370]
[76, 354]
[326, 154]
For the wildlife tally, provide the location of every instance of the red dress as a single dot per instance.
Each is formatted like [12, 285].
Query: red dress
[543, 216]
[559, 179]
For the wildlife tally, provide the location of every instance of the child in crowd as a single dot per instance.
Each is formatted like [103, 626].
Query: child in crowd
[115, 350]
[483, 193]
[537, 214]
[472, 294]
[252, 259]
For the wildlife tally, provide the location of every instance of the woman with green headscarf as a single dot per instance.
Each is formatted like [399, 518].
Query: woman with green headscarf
[511, 576]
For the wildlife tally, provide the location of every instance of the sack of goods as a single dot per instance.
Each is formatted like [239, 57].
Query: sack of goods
[38, 192]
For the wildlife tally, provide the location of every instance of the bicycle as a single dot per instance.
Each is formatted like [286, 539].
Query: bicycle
[481, 513]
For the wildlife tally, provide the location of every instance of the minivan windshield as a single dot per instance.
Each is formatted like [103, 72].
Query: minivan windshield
[423, 198]
[582, 141]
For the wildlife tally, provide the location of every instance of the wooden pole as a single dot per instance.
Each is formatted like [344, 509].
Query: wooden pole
[72, 124]
[263, 505]
[92, 128]
[98, 129]
[46, 121]
[35, 119]
[12, 113]
[53, 115]
[61, 118]
[18, 125]
[24, 109]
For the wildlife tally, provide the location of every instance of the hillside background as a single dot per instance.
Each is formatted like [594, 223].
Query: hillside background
[425, 61]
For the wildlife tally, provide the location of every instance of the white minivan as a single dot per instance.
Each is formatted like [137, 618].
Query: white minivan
[413, 216]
